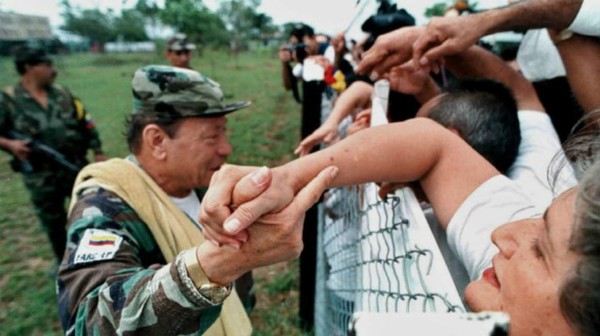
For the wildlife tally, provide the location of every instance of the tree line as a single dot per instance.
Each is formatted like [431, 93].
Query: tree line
[234, 22]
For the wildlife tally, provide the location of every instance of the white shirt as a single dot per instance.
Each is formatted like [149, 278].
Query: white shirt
[190, 205]
[587, 21]
[501, 200]
[496, 202]
[538, 58]
[540, 153]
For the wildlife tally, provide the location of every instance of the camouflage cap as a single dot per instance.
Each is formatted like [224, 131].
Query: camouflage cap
[176, 92]
[179, 42]
[31, 55]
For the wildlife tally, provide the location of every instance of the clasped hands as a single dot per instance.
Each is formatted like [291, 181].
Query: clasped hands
[260, 207]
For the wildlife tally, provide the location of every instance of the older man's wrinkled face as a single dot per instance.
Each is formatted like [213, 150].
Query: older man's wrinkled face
[198, 149]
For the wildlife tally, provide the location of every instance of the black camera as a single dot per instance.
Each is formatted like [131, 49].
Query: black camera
[298, 51]
[380, 24]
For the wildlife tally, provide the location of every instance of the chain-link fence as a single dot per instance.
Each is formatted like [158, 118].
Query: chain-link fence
[377, 255]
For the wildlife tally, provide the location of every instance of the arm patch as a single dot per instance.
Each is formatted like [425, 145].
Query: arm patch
[97, 245]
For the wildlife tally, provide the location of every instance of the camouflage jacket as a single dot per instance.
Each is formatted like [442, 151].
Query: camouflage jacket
[64, 125]
[114, 280]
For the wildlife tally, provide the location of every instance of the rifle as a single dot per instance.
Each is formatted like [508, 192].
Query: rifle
[41, 149]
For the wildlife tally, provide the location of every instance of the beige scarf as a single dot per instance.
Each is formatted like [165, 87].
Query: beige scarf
[172, 229]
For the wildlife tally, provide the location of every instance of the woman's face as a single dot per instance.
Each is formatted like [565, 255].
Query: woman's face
[526, 277]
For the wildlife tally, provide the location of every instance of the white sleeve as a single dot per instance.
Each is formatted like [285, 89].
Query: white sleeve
[496, 202]
[587, 21]
[297, 70]
[533, 168]
[538, 58]
[330, 54]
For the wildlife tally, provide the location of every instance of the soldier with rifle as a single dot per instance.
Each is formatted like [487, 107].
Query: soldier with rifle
[48, 133]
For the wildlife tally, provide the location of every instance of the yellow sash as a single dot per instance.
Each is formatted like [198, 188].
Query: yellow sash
[172, 229]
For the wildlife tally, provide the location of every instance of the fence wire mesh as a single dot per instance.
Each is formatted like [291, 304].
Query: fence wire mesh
[377, 256]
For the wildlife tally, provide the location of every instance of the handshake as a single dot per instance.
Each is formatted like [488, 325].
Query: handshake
[254, 216]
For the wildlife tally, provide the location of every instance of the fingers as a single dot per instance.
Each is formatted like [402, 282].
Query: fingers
[217, 203]
[308, 144]
[387, 188]
[218, 239]
[420, 47]
[310, 194]
[330, 137]
[251, 186]
[392, 61]
[322, 134]
[370, 59]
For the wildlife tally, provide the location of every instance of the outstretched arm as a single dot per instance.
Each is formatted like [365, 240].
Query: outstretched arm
[451, 35]
[581, 57]
[478, 62]
[418, 149]
[358, 94]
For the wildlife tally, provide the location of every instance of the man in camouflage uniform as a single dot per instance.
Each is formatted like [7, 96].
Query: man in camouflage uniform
[179, 51]
[128, 269]
[46, 112]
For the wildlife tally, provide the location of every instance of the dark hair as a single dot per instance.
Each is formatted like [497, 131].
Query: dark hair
[509, 53]
[580, 293]
[484, 112]
[26, 55]
[135, 124]
[300, 30]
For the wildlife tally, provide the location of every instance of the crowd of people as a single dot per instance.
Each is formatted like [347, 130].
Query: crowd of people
[164, 240]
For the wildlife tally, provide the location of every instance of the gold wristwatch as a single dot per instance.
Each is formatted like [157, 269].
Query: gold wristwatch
[213, 292]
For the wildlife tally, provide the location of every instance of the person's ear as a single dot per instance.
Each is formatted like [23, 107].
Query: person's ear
[155, 140]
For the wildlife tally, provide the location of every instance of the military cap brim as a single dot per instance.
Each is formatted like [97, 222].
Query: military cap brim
[227, 108]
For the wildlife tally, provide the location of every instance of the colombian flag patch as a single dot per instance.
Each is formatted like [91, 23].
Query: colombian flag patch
[97, 245]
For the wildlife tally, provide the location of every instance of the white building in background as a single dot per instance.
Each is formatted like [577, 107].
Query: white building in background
[20, 27]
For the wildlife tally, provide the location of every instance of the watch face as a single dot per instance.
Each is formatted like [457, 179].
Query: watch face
[216, 294]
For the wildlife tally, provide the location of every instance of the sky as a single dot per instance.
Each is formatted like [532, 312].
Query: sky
[326, 16]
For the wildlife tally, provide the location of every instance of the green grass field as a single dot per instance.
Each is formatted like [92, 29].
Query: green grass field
[263, 134]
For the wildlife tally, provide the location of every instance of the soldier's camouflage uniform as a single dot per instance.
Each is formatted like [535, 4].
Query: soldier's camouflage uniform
[134, 292]
[59, 126]
[131, 290]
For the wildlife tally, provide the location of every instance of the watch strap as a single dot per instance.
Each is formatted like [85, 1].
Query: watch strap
[214, 293]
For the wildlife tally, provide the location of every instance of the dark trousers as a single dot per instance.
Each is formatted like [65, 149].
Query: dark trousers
[48, 191]
[311, 120]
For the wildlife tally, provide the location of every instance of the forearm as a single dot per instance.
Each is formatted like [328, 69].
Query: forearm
[414, 150]
[286, 72]
[476, 62]
[132, 297]
[581, 57]
[528, 14]
[357, 95]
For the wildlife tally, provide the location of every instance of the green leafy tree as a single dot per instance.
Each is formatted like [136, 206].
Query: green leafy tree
[244, 22]
[130, 26]
[437, 9]
[89, 23]
[101, 27]
[194, 19]
[150, 10]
